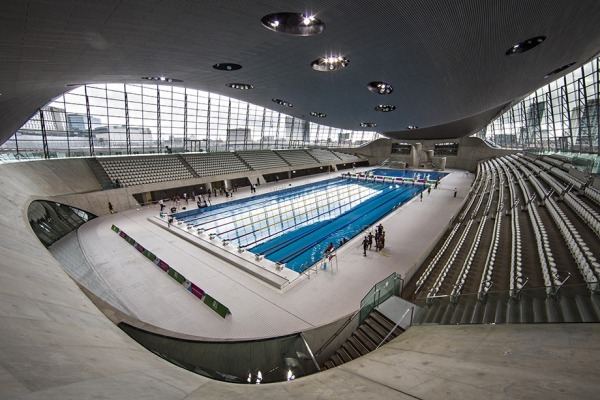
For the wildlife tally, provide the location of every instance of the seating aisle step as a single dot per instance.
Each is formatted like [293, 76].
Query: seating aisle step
[586, 309]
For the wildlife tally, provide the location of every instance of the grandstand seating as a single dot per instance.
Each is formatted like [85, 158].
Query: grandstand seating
[210, 164]
[324, 156]
[262, 159]
[346, 157]
[296, 157]
[144, 170]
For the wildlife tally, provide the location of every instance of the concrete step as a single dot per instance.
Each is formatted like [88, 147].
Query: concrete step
[365, 339]
[352, 352]
[586, 309]
[478, 312]
[526, 312]
[358, 345]
[568, 309]
[539, 311]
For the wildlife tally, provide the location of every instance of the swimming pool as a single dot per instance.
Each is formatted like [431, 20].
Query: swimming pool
[294, 226]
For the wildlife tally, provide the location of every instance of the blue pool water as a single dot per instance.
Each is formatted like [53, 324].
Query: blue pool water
[294, 226]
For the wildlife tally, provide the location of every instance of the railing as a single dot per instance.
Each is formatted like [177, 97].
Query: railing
[527, 305]
[412, 310]
[380, 292]
[338, 332]
[392, 284]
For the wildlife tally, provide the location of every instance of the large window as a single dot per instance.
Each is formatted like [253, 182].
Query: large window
[114, 119]
[559, 117]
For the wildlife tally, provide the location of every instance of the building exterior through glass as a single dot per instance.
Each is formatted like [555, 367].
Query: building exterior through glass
[559, 117]
[116, 119]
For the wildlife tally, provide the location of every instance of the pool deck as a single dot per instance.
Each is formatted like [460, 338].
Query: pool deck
[259, 309]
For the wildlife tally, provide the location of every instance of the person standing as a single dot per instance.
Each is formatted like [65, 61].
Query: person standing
[161, 203]
[428, 190]
[455, 190]
[110, 208]
[365, 245]
[421, 195]
[370, 240]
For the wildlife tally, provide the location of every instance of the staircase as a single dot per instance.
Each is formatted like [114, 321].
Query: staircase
[187, 166]
[365, 339]
[100, 173]
[565, 307]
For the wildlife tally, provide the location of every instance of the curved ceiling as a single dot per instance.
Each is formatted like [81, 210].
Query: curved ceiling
[446, 60]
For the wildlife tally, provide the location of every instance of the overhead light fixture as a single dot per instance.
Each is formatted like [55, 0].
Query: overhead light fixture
[559, 70]
[283, 103]
[411, 127]
[385, 107]
[318, 114]
[299, 24]
[380, 87]
[525, 45]
[368, 124]
[239, 86]
[227, 66]
[327, 64]
[161, 79]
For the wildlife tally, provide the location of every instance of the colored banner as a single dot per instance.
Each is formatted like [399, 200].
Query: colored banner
[150, 255]
[216, 306]
[163, 265]
[196, 291]
[176, 275]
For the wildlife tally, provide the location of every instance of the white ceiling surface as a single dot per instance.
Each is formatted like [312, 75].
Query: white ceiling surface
[445, 59]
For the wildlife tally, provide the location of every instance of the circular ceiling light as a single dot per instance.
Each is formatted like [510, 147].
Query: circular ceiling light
[559, 70]
[368, 124]
[380, 87]
[525, 45]
[297, 24]
[283, 103]
[239, 86]
[161, 79]
[318, 114]
[227, 66]
[326, 64]
[411, 127]
[385, 107]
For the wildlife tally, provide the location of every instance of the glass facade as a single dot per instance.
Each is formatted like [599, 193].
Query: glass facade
[559, 117]
[116, 119]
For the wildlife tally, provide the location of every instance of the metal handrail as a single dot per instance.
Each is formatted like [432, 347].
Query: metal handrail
[397, 324]
[339, 331]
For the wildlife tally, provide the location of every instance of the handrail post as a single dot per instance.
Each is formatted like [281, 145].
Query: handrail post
[310, 352]
[395, 326]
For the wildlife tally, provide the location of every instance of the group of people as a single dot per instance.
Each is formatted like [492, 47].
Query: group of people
[378, 238]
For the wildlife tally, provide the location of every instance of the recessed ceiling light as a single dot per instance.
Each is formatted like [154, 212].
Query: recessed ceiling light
[318, 114]
[525, 45]
[227, 66]
[299, 24]
[380, 87]
[282, 103]
[161, 79]
[239, 86]
[559, 70]
[327, 64]
[368, 124]
[385, 107]
[411, 127]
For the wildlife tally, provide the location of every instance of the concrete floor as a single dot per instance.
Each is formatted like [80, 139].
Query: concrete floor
[55, 344]
[258, 310]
